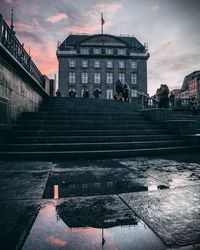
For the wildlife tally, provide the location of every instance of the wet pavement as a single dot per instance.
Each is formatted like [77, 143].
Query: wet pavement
[135, 203]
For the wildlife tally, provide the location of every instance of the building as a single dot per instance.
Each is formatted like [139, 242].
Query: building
[98, 61]
[191, 85]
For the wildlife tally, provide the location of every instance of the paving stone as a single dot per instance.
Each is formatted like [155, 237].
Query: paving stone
[174, 214]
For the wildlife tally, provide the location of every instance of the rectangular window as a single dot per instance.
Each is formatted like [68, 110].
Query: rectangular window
[122, 77]
[84, 77]
[121, 64]
[109, 78]
[133, 78]
[97, 64]
[109, 94]
[109, 51]
[109, 64]
[97, 51]
[122, 52]
[72, 63]
[97, 77]
[133, 64]
[72, 77]
[84, 63]
[84, 51]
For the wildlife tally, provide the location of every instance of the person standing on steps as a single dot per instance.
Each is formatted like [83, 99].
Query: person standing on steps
[125, 92]
[119, 90]
[72, 93]
[58, 93]
[85, 93]
[96, 93]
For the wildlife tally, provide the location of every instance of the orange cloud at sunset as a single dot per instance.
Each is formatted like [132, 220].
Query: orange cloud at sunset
[57, 18]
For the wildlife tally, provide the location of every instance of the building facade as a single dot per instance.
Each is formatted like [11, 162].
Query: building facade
[191, 85]
[99, 61]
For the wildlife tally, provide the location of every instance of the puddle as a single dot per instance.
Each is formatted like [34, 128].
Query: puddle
[50, 232]
[65, 189]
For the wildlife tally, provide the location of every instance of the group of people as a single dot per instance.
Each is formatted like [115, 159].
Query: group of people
[194, 104]
[72, 93]
[162, 96]
[122, 91]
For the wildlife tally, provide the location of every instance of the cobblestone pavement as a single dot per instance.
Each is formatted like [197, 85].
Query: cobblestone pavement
[141, 203]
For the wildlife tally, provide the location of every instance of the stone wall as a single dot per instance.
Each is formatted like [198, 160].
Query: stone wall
[19, 92]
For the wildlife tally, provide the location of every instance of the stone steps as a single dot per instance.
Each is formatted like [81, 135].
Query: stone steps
[90, 146]
[83, 132]
[98, 154]
[88, 139]
[77, 128]
[85, 127]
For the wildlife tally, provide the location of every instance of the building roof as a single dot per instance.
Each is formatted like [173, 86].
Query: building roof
[74, 40]
[187, 79]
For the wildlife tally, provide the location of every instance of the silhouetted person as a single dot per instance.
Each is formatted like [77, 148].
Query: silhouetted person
[125, 92]
[119, 90]
[72, 93]
[96, 93]
[58, 93]
[171, 99]
[85, 94]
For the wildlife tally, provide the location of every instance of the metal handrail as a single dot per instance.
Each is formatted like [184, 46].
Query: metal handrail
[10, 42]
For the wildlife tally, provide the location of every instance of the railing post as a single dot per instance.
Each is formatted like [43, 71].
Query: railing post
[1, 27]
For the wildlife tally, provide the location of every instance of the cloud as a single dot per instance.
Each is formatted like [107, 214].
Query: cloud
[8, 1]
[155, 8]
[89, 20]
[57, 18]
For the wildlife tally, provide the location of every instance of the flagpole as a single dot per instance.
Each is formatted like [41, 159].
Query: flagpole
[102, 23]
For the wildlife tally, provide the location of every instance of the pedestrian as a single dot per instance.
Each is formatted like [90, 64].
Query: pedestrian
[119, 90]
[172, 99]
[194, 106]
[97, 92]
[72, 93]
[126, 92]
[58, 93]
[162, 96]
[85, 93]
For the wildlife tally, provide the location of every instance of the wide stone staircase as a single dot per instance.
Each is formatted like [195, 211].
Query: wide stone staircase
[75, 128]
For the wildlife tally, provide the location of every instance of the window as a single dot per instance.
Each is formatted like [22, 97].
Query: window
[97, 64]
[109, 51]
[133, 78]
[109, 94]
[72, 63]
[84, 51]
[121, 64]
[97, 50]
[84, 77]
[109, 64]
[133, 64]
[72, 77]
[109, 77]
[122, 77]
[121, 52]
[84, 63]
[97, 77]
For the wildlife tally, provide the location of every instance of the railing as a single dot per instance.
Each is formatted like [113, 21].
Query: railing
[145, 101]
[10, 42]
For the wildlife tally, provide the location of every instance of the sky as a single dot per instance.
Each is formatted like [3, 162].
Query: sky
[170, 27]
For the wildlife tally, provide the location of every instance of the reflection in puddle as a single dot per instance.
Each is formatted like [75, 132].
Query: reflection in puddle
[56, 194]
[90, 189]
[50, 232]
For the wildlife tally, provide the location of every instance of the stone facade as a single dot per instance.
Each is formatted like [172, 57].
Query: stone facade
[19, 92]
[98, 61]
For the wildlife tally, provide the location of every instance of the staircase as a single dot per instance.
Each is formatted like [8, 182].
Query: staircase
[75, 128]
